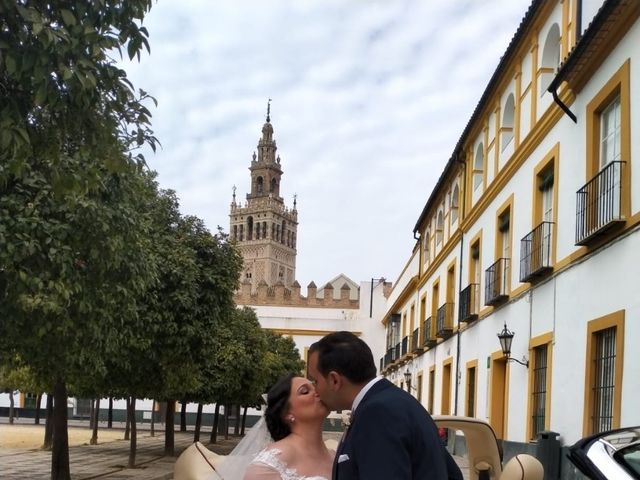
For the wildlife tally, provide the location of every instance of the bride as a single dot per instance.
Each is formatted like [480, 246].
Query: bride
[294, 418]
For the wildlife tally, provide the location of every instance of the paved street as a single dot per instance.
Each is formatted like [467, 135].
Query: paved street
[108, 460]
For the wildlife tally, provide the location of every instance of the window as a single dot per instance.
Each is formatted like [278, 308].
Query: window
[550, 58]
[470, 403]
[445, 407]
[427, 249]
[478, 167]
[610, 133]
[259, 185]
[605, 341]
[508, 116]
[539, 391]
[439, 228]
[432, 389]
[455, 198]
[419, 388]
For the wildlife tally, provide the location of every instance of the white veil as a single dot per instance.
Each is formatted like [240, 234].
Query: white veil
[235, 464]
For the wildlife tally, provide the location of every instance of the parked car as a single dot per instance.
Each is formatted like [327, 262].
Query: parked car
[483, 452]
[614, 454]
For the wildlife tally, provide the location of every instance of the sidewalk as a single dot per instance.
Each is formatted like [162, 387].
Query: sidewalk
[107, 460]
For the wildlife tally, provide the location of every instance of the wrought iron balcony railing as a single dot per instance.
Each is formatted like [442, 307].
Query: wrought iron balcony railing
[535, 252]
[416, 345]
[388, 357]
[598, 203]
[429, 335]
[405, 345]
[469, 303]
[396, 354]
[495, 282]
[444, 325]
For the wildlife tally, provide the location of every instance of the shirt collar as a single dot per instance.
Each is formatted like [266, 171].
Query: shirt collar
[362, 393]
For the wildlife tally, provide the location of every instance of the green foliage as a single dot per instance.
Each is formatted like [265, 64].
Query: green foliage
[61, 91]
[282, 357]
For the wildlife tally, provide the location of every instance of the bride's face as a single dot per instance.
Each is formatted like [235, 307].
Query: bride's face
[303, 401]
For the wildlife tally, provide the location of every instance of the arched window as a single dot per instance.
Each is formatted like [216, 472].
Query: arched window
[455, 197]
[508, 114]
[235, 232]
[478, 167]
[550, 57]
[259, 185]
[439, 228]
[264, 229]
[426, 241]
[249, 228]
[273, 186]
[284, 229]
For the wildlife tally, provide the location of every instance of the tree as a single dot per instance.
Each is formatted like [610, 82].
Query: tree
[72, 262]
[282, 357]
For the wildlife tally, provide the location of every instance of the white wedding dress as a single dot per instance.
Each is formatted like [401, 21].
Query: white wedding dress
[268, 466]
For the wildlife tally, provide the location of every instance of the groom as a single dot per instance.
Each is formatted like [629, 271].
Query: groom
[391, 435]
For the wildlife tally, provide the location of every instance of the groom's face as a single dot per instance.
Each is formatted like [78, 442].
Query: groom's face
[325, 388]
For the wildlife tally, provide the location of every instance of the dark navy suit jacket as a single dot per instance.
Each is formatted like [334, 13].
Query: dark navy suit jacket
[392, 436]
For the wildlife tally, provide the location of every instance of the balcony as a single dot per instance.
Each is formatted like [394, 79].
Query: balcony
[429, 338]
[598, 204]
[388, 357]
[396, 353]
[444, 322]
[495, 283]
[416, 345]
[405, 345]
[535, 252]
[469, 303]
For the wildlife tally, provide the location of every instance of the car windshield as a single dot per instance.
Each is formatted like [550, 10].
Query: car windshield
[630, 458]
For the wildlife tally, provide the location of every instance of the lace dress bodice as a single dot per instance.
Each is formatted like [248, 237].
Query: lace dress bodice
[267, 465]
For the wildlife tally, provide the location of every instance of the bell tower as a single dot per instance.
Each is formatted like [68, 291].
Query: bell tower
[264, 229]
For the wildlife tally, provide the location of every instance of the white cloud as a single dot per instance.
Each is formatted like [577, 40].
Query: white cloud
[369, 99]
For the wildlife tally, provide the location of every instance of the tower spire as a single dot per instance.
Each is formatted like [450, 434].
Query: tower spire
[268, 110]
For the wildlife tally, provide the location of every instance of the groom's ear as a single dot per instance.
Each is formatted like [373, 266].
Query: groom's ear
[334, 379]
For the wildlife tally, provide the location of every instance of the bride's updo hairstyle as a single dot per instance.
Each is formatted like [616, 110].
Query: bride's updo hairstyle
[278, 407]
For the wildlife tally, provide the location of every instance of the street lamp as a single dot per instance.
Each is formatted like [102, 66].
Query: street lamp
[407, 381]
[506, 337]
[381, 279]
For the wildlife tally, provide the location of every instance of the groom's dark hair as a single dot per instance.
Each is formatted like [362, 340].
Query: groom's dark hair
[345, 353]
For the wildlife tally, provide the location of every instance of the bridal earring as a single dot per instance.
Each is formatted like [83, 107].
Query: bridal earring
[292, 419]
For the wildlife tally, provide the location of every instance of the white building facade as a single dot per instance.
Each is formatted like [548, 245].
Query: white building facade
[534, 226]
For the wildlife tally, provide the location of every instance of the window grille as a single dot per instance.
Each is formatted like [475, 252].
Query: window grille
[603, 380]
[539, 393]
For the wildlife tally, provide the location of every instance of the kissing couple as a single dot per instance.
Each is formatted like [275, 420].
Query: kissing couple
[390, 435]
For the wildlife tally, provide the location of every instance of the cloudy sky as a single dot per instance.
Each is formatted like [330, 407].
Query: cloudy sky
[369, 99]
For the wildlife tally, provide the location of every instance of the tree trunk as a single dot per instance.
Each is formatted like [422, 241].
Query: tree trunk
[48, 427]
[153, 418]
[244, 421]
[227, 408]
[134, 434]
[11, 409]
[96, 416]
[60, 451]
[183, 416]
[214, 430]
[236, 427]
[196, 434]
[38, 403]
[168, 429]
[127, 427]
[110, 414]
[91, 413]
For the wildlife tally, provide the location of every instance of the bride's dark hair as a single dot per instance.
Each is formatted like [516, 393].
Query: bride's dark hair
[277, 408]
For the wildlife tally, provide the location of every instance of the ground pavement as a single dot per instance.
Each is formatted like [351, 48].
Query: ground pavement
[107, 460]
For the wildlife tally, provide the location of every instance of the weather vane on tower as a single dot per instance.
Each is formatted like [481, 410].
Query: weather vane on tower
[268, 110]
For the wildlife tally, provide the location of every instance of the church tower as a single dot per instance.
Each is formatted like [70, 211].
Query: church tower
[264, 229]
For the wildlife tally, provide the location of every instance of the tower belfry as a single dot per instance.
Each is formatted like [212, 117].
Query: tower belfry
[264, 229]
